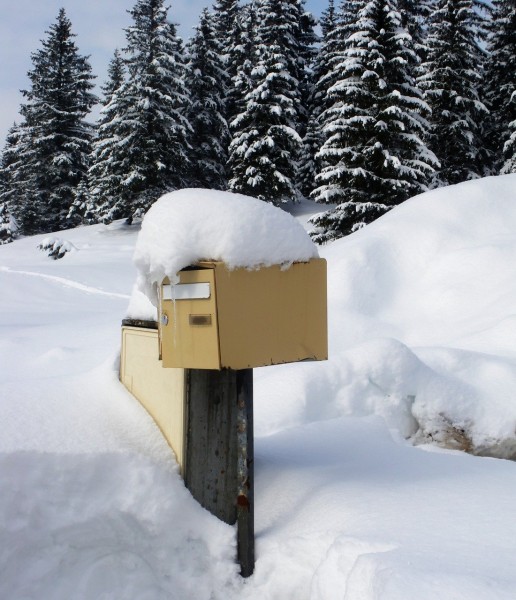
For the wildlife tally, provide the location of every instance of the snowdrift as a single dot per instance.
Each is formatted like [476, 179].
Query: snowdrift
[422, 309]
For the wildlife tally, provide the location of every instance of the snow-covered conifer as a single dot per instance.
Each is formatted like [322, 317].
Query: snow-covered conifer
[82, 211]
[10, 173]
[107, 169]
[500, 82]
[374, 155]
[8, 226]
[116, 76]
[415, 16]
[243, 56]
[54, 138]
[206, 83]
[265, 146]
[307, 127]
[509, 149]
[451, 83]
[144, 132]
[306, 39]
[227, 23]
[324, 61]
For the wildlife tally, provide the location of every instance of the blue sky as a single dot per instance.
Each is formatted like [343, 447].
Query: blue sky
[99, 27]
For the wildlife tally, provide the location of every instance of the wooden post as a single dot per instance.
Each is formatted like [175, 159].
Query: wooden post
[219, 451]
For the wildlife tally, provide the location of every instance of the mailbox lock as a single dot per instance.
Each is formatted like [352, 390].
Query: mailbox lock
[164, 319]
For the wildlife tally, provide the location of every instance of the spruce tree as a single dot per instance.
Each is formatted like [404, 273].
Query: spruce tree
[228, 25]
[107, 170]
[415, 16]
[10, 172]
[55, 138]
[206, 81]
[452, 80]
[85, 203]
[8, 226]
[265, 144]
[8, 195]
[306, 40]
[82, 211]
[317, 102]
[116, 76]
[509, 150]
[500, 82]
[374, 154]
[146, 140]
[242, 56]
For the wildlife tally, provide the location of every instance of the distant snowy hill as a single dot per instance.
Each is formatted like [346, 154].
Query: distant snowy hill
[422, 351]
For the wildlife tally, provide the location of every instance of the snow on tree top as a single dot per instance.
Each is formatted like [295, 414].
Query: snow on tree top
[191, 225]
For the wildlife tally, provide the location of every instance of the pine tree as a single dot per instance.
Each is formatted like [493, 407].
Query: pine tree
[265, 144]
[107, 170]
[242, 55]
[82, 211]
[8, 226]
[500, 84]
[374, 155]
[306, 40]
[10, 170]
[116, 76]
[452, 79]
[510, 151]
[144, 136]
[25, 201]
[227, 23]
[55, 138]
[206, 83]
[307, 43]
[317, 102]
[415, 16]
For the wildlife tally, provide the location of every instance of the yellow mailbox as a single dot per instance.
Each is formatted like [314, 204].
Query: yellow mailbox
[215, 318]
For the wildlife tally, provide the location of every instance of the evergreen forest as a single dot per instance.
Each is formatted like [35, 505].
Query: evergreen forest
[376, 102]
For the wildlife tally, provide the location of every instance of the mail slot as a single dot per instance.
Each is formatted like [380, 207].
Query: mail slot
[216, 318]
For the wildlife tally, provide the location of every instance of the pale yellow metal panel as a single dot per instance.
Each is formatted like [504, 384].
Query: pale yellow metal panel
[190, 338]
[161, 391]
[272, 316]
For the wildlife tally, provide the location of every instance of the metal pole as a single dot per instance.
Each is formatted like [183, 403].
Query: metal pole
[245, 472]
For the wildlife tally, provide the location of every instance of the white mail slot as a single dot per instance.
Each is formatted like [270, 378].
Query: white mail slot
[186, 291]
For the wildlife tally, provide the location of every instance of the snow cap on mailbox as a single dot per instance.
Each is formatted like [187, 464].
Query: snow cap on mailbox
[237, 281]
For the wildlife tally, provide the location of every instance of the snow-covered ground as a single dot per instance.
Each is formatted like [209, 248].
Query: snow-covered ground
[356, 496]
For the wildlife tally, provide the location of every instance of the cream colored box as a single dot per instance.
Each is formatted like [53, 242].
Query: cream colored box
[160, 391]
[215, 318]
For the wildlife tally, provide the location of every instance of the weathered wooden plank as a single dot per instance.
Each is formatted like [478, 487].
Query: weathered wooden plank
[211, 448]
[219, 469]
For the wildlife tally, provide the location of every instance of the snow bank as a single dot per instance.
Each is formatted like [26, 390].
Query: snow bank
[422, 325]
[187, 226]
[107, 525]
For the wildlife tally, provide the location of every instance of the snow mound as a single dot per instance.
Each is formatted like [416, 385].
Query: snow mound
[422, 325]
[186, 226]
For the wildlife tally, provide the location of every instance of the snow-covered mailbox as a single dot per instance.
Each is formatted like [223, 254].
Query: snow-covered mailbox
[237, 284]
[216, 318]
